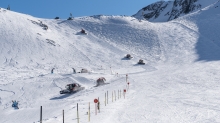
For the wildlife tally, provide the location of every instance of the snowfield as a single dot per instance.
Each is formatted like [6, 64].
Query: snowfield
[180, 82]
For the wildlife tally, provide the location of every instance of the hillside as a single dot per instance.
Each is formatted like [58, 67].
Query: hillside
[178, 83]
[163, 11]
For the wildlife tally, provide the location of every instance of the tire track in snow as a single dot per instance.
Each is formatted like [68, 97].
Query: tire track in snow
[54, 83]
[8, 91]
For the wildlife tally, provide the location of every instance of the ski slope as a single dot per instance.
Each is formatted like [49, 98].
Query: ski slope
[178, 83]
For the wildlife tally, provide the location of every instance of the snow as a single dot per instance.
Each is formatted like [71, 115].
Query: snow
[163, 11]
[178, 83]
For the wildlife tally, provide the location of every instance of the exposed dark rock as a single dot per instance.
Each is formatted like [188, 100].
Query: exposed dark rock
[168, 10]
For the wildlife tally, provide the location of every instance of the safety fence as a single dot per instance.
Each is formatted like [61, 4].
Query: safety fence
[109, 97]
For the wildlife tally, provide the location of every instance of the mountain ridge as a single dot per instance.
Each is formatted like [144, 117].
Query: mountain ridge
[163, 11]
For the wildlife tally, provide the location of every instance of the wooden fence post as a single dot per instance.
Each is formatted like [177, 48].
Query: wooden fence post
[98, 105]
[40, 114]
[77, 114]
[107, 97]
[112, 96]
[115, 95]
[63, 116]
[118, 94]
[89, 112]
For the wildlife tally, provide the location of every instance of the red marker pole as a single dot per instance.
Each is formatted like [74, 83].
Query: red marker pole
[95, 101]
[128, 85]
[124, 93]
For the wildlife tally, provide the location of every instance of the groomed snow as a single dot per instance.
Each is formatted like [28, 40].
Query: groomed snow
[178, 84]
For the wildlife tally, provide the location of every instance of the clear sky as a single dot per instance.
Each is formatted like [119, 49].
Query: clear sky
[78, 8]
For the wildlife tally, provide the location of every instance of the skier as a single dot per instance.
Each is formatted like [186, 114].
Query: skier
[15, 104]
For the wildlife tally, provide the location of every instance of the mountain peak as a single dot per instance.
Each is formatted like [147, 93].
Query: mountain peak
[163, 11]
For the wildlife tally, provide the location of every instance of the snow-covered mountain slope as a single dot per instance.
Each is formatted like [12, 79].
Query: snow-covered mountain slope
[25, 43]
[178, 83]
[163, 11]
[206, 23]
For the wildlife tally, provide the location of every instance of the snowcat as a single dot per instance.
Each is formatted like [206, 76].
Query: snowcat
[83, 32]
[71, 88]
[84, 70]
[141, 62]
[128, 56]
[100, 81]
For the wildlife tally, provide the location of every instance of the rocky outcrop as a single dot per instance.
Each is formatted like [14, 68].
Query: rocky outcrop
[163, 11]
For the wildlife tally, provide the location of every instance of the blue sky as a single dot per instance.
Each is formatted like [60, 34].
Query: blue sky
[78, 8]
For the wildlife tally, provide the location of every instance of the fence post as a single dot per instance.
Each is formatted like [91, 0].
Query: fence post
[40, 114]
[63, 116]
[115, 95]
[98, 105]
[107, 97]
[77, 114]
[118, 94]
[89, 112]
[112, 96]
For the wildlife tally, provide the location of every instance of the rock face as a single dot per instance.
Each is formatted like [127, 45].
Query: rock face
[163, 11]
[182, 7]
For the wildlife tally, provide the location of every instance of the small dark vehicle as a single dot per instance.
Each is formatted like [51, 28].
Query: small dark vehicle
[100, 81]
[128, 56]
[141, 62]
[84, 70]
[71, 88]
[83, 32]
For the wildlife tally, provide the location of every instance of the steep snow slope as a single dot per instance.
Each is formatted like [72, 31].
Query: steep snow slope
[175, 85]
[207, 27]
[26, 43]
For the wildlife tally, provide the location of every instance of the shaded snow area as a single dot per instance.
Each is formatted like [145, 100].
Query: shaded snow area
[179, 82]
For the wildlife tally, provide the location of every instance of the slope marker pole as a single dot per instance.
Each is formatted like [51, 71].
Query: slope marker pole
[63, 116]
[77, 114]
[107, 97]
[89, 112]
[41, 114]
[112, 96]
